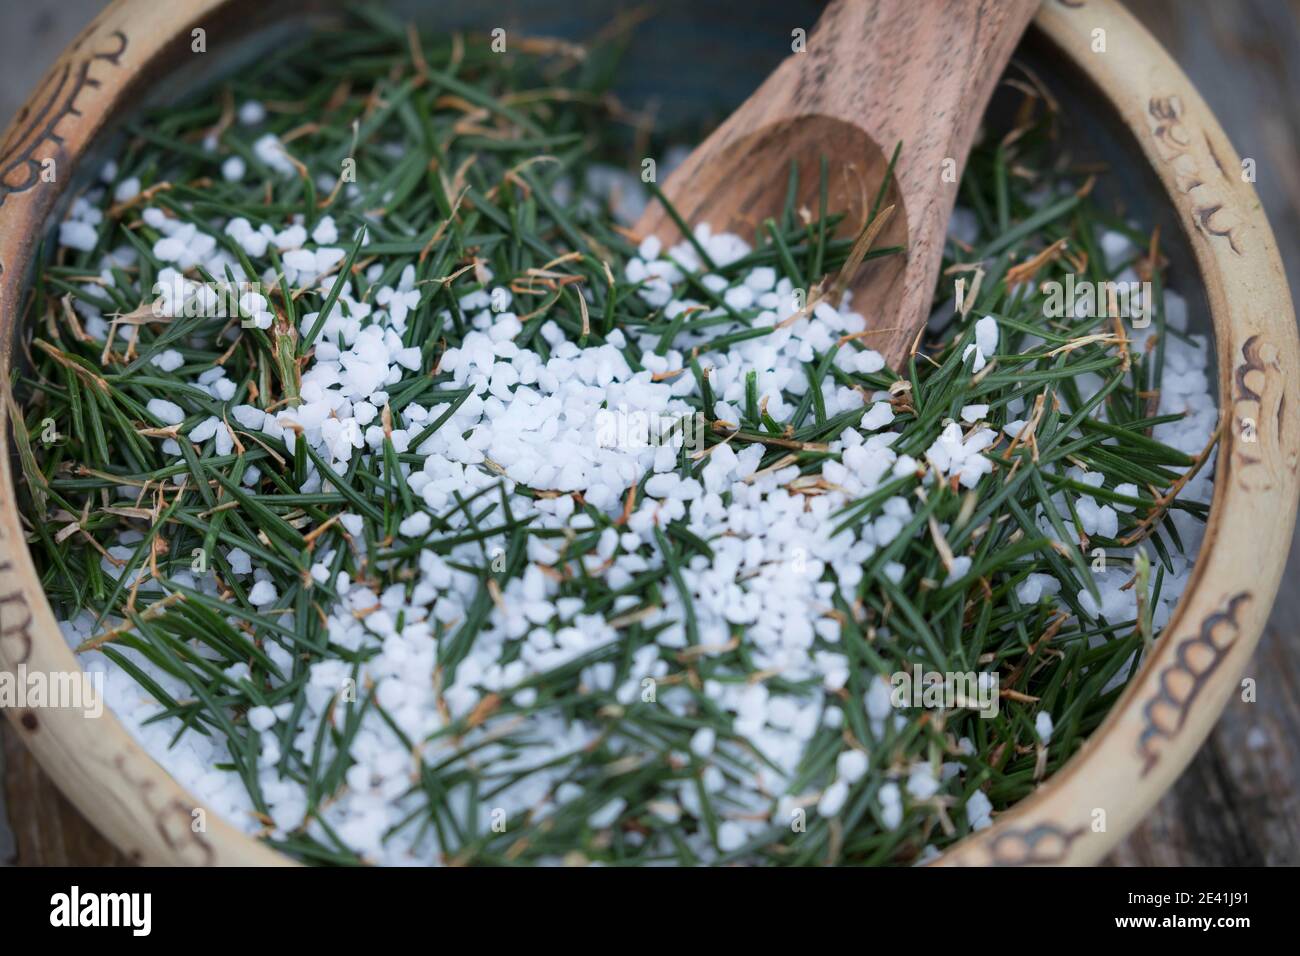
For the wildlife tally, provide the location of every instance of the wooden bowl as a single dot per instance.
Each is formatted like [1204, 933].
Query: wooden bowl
[1153, 730]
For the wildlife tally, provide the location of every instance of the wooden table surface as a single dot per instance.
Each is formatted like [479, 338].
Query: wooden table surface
[1238, 803]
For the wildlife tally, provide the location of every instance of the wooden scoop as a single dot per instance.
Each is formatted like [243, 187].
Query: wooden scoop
[875, 73]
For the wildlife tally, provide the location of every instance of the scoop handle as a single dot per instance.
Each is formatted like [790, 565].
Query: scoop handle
[917, 73]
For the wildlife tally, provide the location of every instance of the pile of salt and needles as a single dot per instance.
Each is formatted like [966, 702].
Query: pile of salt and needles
[483, 533]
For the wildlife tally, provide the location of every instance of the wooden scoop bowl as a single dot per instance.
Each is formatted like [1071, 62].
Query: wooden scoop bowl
[875, 73]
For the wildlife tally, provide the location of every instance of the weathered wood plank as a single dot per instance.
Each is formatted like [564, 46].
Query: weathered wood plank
[46, 830]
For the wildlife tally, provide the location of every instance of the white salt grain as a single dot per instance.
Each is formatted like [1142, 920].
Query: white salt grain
[261, 718]
[852, 765]
[878, 416]
[1043, 726]
[262, 594]
[233, 169]
[702, 741]
[832, 799]
[251, 112]
[169, 413]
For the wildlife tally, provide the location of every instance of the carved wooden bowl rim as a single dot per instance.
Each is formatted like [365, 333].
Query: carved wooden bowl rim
[1152, 731]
